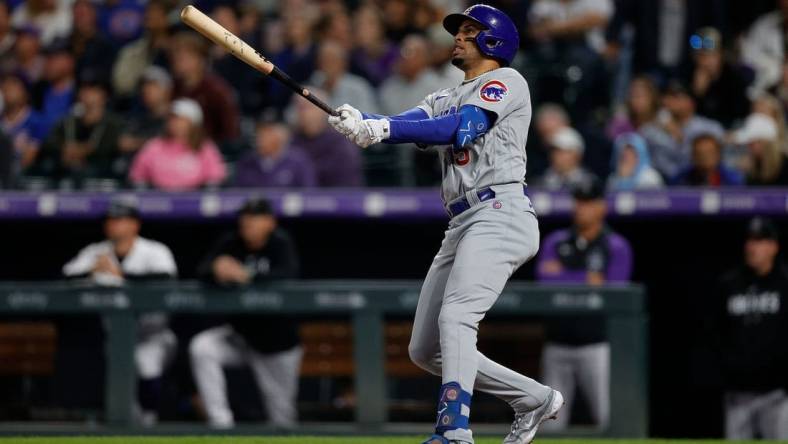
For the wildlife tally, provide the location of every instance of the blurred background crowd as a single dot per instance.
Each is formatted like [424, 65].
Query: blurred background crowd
[102, 95]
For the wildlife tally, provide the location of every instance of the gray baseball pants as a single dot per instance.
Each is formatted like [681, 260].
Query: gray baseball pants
[481, 249]
[568, 368]
[276, 375]
[756, 415]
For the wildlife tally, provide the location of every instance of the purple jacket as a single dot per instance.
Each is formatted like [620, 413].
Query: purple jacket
[293, 169]
[337, 160]
[609, 254]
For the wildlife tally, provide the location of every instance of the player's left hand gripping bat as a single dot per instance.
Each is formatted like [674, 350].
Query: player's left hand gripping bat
[237, 47]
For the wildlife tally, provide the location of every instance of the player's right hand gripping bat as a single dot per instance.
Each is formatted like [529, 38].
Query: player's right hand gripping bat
[237, 47]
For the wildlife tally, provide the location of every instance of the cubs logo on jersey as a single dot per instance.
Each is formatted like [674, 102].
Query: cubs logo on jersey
[461, 157]
[493, 91]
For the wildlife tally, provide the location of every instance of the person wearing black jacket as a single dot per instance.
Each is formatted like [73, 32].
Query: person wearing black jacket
[257, 252]
[752, 332]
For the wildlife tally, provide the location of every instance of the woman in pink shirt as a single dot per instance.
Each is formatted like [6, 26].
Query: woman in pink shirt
[183, 158]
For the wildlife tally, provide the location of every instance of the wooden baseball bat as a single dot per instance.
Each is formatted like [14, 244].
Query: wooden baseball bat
[215, 32]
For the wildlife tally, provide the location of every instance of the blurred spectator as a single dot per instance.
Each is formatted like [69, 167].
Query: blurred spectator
[707, 168]
[94, 54]
[398, 18]
[769, 105]
[668, 136]
[569, 37]
[719, 89]
[123, 257]
[569, 21]
[631, 165]
[51, 17]
[149, 121]
[121, 20]
[373, 56]
[335, 26]
[749, 325]
[442, 46]
[549, 118]
[148, 50]
[642, 105]
[274, 163]
[184, 158]
[20, 122]
[566, 155]
[414, 78]
[297, 58]
[7, 176]
[337, 161]
[60, 84]
[766, 164]
[341, 86]
[763, 48]
[246, 82]
[257, 252]
[7, 36]
[26, 57]
[662, 30]
[189, 59]
[576, 352]
[781, 90]
[85, 143]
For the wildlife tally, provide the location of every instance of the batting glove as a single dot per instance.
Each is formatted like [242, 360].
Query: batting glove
[371, 131]
[346, 121]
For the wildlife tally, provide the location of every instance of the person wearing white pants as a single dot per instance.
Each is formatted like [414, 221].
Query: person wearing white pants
[257, 252]
[276, 375]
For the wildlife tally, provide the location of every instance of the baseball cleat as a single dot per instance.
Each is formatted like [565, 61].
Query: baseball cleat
[526, 424]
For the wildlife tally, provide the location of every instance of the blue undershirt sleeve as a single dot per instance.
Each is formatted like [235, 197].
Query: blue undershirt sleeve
[411, 114]
[459, 129]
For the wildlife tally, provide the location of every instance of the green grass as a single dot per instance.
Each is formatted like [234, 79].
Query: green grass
[313, 440]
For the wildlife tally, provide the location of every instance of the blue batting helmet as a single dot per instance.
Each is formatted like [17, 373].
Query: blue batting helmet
[499, 38]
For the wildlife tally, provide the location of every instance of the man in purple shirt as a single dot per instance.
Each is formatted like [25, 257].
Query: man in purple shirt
[576, 353]
[274, 163]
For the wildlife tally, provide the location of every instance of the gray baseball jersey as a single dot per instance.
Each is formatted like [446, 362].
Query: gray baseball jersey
[497, 157]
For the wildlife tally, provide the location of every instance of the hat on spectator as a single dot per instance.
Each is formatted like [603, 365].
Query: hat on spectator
[567, 139]
[706, 39]
[28, 29]
[58, 46]
[188, 109]
[120, 207]
[762, 228]
[706, 131]
[590, 188]
[676, 87]
[758, 126]
[256, 206]
[157, 74]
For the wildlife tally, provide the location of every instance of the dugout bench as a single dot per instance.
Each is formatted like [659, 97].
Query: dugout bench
[366, 303]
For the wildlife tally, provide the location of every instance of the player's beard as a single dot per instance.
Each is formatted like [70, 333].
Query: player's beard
[459, 62]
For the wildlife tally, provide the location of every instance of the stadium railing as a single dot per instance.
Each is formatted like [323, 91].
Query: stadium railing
[366, 303]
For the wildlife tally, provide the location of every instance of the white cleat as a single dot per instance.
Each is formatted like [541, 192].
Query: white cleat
[526, 424]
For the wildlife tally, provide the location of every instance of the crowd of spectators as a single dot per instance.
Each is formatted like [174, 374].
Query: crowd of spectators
[110, 94]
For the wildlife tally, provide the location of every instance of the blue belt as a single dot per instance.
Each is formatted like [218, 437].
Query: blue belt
[456, 208]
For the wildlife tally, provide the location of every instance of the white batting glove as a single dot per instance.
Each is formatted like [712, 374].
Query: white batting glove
[349, 110]
[346, 123]
[371, 131]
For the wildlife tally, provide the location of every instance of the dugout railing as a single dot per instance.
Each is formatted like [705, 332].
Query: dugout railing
[366, 303]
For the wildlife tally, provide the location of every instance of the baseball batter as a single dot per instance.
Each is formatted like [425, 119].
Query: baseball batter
[480, 129]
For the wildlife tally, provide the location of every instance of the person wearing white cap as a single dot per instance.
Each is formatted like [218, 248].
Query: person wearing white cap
[766, 164]
[566, 153]
[183, 158]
